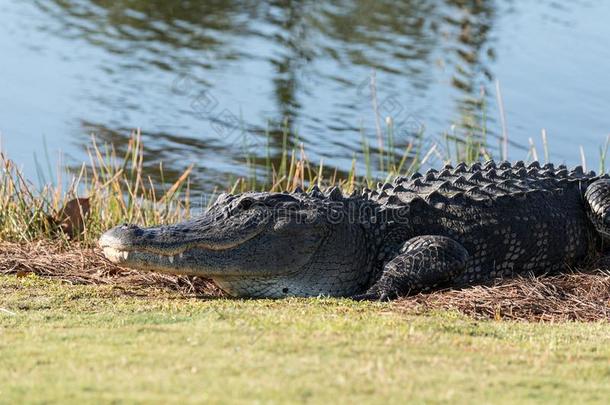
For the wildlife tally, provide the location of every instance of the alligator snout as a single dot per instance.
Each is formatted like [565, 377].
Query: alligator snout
[205, 233]
[117, 242]
[122, 236]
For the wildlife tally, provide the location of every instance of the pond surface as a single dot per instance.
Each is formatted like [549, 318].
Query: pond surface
[207, 80]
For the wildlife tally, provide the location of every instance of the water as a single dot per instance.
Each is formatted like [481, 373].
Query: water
[206, 81]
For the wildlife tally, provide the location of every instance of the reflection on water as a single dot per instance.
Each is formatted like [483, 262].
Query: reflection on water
[208, 80]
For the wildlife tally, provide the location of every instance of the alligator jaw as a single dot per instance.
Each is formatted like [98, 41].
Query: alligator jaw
[256, 245]
[119, 256]
[148, 249]
[117, 253]
[154, 261]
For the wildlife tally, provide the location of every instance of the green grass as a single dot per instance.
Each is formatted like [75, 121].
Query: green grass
[63, 343]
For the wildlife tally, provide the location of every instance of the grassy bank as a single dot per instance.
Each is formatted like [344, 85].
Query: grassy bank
[74, 327]
[52, 231]
[72, 343]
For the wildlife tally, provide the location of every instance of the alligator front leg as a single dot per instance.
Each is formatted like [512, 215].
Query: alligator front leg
[423, 263]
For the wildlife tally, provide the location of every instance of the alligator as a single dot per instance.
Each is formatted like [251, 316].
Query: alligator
[447, 228]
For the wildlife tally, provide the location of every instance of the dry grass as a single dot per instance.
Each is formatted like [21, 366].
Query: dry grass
[110, 189]
[78, 265]
[575, 296]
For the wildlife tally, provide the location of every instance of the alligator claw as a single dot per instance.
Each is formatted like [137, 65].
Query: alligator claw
[366, 297]
[380, 297]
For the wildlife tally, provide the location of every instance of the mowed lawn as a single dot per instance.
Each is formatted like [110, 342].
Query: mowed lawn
[68, 344]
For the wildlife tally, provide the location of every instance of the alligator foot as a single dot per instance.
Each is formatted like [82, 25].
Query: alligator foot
[374, 296]
[423, 263]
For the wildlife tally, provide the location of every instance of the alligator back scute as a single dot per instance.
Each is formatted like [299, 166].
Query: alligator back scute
[479, 182]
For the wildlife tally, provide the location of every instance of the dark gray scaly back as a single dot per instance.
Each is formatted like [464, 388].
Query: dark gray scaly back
[482, 182]
[511, 218]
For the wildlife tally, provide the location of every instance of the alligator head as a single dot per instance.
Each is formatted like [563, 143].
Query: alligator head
[255, 244]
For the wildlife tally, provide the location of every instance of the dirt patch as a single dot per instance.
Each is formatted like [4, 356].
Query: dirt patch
[578, 296]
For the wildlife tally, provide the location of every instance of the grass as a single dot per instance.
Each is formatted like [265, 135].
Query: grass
[62, 343]
[114, 187]
[75, 328]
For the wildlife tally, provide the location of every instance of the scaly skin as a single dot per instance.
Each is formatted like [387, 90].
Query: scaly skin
[456, 227]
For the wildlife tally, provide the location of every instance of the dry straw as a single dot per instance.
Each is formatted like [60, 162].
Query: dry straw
[75, 264]
[577, 296]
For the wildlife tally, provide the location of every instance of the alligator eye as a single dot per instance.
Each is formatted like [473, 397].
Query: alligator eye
[245, 204]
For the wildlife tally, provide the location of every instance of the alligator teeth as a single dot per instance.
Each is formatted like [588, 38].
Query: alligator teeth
[180, 256]
[115, 255]
[171, 259]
